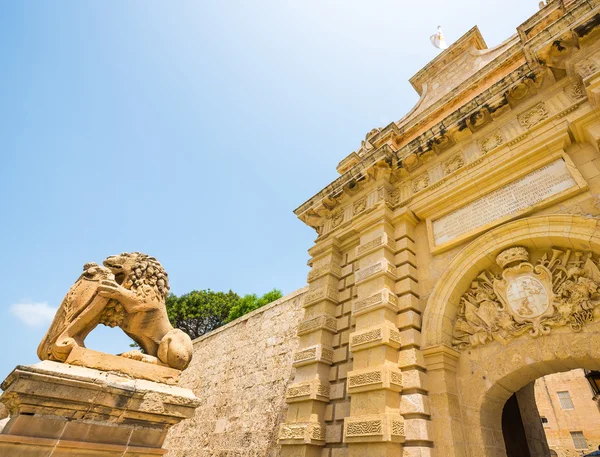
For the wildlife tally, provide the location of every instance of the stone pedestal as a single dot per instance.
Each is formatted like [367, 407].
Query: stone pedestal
[58, 409]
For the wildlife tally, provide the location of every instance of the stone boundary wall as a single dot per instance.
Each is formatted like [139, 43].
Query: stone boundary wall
[240, 373]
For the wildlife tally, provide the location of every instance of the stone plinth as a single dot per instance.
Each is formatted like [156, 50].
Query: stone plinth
[58, 409]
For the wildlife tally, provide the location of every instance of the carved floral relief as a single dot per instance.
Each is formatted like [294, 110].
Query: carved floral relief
[337, 219]
[577, 90]
[453, 164]
[491, 142]
[561, 289]
[534, 116]
[420, 183]
[586, 68]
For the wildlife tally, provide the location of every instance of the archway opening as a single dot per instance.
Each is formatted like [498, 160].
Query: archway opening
[556, 415]
[484, 344]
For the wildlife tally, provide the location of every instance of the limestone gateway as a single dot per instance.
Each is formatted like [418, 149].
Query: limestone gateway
[457, 261]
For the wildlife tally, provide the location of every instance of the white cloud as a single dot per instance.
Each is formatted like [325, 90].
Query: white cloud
[33, 314]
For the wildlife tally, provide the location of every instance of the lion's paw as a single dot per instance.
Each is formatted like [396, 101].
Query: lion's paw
[134, 355]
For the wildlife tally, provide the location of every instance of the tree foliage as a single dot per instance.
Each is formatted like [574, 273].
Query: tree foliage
[251, 302]
[201, 311]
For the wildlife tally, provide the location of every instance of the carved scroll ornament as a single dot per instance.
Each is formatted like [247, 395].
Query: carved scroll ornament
[561, 289]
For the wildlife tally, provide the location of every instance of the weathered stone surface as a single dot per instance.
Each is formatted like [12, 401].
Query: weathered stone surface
[559, 420]
[241, 372]
[60, 409]
[500, 155]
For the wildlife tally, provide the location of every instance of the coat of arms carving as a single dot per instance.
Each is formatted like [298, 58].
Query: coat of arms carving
[561, 289]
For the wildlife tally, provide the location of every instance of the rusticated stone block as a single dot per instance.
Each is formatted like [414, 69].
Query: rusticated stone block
[313, 354]
[374, 428]
[410, 358]
[382, 299]
[308, 390]
[382, 377]
[301, 433]
[386, 334]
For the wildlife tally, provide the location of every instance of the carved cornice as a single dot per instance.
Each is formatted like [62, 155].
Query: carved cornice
[326, 203]
[516, 72]
[322, 204]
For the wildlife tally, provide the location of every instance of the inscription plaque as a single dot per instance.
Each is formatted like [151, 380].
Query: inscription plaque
[533, 188]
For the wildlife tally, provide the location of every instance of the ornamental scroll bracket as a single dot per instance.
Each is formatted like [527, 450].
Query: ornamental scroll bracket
[561, 289]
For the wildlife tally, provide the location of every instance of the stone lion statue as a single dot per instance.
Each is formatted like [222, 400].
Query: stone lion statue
[128, 291]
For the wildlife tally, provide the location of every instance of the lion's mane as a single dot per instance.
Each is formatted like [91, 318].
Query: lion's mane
[147, 276]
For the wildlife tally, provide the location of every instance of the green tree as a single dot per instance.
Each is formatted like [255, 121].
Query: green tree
[200, 311]
[251, 302]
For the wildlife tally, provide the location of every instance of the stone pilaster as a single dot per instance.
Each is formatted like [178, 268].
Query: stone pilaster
[414, 403]
[303, 433]
[58, 409]
[375, 425]
[441, 362]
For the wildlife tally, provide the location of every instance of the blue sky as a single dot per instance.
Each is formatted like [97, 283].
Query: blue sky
[190, 130]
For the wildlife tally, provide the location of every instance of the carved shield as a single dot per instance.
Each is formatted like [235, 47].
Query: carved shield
[526, 292]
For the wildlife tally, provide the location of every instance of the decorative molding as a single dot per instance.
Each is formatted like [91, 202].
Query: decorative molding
[359, 206]
[383, 267]
[374, 428]
[569, 110]
[479, 119]
[577, 91]
[313, 354]
[365, 428]
[518, 138]
[561, 289]
[382, 299]
[376, 336]
[534, 116]
[421, 133]
[521, 91]
[491, 142]
[586, 68]
[326, 269]
[420, 182]
[375, 243]
[302, 433]
[321, 293]
[324, 322]
[337, 219]
[382, 377]
[308, 390]
[453, 164]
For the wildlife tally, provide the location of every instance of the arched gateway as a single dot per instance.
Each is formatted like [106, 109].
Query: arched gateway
[456, 262]
[479, 357]
[457, 255]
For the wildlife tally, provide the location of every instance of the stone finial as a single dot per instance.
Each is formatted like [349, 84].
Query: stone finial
[129, 291]
[512, 255]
